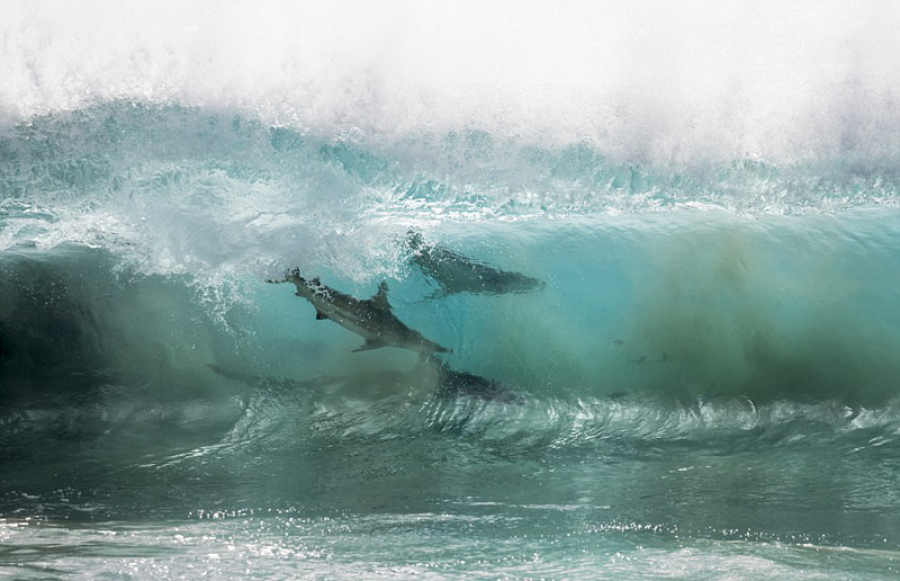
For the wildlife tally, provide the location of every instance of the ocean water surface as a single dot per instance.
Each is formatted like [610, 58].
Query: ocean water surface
[661, 245]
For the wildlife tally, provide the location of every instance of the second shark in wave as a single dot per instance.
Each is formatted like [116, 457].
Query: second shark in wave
[455, 273]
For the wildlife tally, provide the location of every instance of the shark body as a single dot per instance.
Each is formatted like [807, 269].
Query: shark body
[372, 319]
[455, 273]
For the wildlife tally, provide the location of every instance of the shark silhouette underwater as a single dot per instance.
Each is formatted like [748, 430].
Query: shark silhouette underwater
[374, 320]
[455, 273]
[446, 384]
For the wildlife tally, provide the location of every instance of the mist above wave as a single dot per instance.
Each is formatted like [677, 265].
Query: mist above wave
[649, 83]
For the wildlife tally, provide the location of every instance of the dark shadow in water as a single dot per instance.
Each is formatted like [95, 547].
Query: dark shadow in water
[452, 384]
[50, 338]
[430, 373]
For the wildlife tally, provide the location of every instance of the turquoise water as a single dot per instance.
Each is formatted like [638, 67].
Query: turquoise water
[704, 385]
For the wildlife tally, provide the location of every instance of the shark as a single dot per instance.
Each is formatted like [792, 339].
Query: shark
[451, 384]
[455, 273]
[372, 319]
[447, 384]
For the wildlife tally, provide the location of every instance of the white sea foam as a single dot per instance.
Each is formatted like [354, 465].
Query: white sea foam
[646, 81]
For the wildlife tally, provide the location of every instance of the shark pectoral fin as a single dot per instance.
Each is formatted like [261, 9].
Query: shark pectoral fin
[380, 299]
[320, 315]
[370, 344]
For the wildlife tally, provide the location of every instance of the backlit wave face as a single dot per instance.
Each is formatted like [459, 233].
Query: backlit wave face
[709, 193]
[218, 195]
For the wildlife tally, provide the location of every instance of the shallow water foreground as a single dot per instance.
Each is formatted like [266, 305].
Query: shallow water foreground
[465, 494]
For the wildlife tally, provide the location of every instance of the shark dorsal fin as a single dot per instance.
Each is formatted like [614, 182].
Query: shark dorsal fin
[316, 282]
[380, 299]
